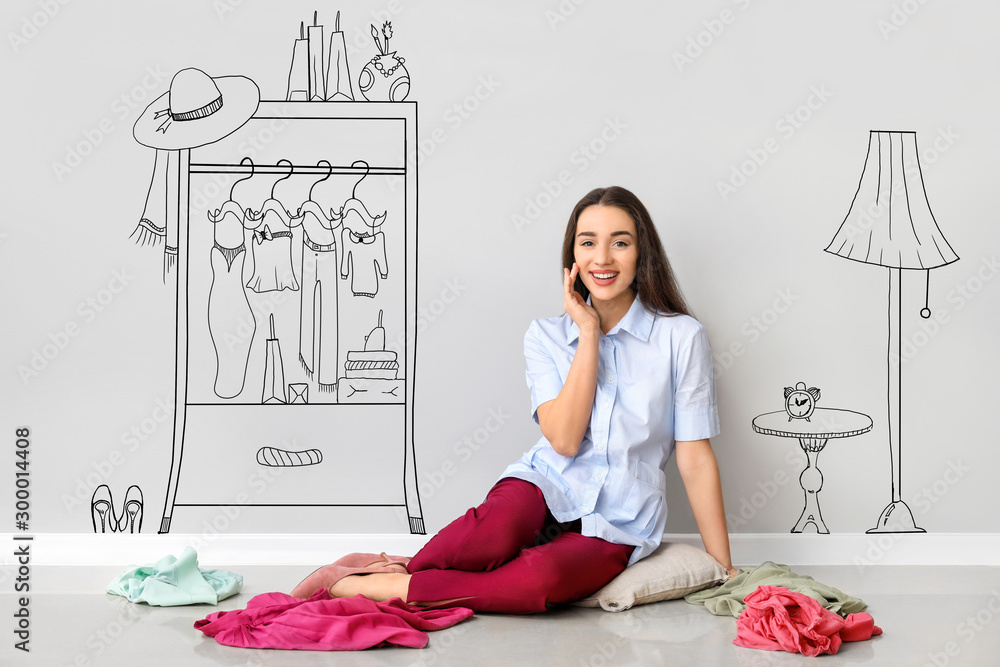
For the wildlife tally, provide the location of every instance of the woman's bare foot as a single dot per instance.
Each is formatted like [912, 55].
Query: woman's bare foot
[380, 586]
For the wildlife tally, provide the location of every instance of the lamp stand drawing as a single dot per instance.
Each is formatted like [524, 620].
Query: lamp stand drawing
[890, 224]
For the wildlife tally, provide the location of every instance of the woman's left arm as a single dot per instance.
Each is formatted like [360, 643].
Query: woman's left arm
[700, 472]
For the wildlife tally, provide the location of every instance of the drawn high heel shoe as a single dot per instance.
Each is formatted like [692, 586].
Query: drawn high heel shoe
[102, 512]
[131, 516]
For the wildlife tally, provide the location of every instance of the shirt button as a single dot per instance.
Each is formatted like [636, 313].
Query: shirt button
[600, 448]
[611, 378]
[607, 404]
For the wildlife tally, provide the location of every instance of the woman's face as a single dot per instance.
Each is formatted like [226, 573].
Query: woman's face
[606, 249]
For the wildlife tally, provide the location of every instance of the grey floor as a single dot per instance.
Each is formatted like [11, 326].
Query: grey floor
[931, 616]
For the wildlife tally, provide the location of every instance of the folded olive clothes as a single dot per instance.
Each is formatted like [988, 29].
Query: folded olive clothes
[727, 599]
[171, 582]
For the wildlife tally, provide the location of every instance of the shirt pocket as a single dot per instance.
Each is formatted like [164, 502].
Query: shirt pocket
[645, 497]
[555, 478]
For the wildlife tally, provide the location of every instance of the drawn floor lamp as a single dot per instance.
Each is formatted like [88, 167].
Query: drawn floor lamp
[890, 224]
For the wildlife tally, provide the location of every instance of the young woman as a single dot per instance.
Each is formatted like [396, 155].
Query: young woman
[615, 382]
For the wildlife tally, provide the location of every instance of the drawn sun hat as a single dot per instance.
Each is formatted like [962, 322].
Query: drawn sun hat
[197, 110]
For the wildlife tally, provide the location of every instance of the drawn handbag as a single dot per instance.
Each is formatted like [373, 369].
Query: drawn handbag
[274, 370]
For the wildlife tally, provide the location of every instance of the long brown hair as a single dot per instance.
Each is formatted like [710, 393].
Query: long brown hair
[654, 282]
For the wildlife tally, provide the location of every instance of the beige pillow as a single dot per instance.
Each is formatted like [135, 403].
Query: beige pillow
[670, 572]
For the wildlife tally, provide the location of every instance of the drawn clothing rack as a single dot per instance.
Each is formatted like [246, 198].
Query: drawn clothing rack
[344, 459]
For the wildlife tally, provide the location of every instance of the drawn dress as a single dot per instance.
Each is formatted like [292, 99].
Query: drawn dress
[228, 305]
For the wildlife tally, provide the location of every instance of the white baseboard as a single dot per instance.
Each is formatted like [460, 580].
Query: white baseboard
[863, 549]
[311, 549]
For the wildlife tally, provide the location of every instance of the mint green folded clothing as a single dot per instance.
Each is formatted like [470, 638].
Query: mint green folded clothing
[171, 582]
[727, 599]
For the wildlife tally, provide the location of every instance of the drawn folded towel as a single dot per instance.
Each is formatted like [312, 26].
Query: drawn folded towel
[777, 619]
[170, 582]
[727, 599]
[323, 623]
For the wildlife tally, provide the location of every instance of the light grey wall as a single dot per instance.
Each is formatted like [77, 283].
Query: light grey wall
[538, 82]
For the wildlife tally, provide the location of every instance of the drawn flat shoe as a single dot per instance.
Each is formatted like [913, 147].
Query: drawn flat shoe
[102, 512]
[131, 516]
[356, 563]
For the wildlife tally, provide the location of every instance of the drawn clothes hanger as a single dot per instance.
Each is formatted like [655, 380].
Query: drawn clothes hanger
[356, 206]
[365, 249]
[272, 247]
[228, 306]
[370, 224]
[229, 221]
[318, 314]
[318, 229]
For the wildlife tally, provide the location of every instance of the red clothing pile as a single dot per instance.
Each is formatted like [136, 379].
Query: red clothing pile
[777, 619]
[323, 623]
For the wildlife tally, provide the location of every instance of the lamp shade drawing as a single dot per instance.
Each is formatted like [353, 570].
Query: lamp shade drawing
[890, 224]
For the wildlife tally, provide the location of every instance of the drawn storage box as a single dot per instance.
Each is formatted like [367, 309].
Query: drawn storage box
[331, 181]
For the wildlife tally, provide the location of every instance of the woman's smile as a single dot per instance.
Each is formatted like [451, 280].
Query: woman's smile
[607, 254]
[603, 278]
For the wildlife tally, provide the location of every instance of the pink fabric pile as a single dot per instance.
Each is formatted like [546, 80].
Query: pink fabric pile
[324, 623]
[777, 619]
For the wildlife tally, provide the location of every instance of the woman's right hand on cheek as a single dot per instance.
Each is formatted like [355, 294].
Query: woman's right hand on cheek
[583, 314]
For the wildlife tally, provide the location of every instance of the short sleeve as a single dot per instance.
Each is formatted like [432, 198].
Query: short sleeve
[696, 413]
[541, 371]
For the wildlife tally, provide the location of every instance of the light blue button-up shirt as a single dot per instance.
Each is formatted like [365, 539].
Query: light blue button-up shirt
[655, 385]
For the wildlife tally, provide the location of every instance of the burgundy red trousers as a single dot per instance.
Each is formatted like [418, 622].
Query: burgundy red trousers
[509, 555]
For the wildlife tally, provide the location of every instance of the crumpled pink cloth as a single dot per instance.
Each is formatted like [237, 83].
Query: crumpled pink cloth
[324, 623]
[777, 619]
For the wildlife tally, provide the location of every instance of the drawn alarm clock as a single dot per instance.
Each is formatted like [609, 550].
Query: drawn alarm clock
[800, 402]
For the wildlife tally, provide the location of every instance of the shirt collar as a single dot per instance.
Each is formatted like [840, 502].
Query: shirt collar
[638, 321]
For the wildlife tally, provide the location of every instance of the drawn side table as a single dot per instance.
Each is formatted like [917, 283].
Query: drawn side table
[825, 423]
